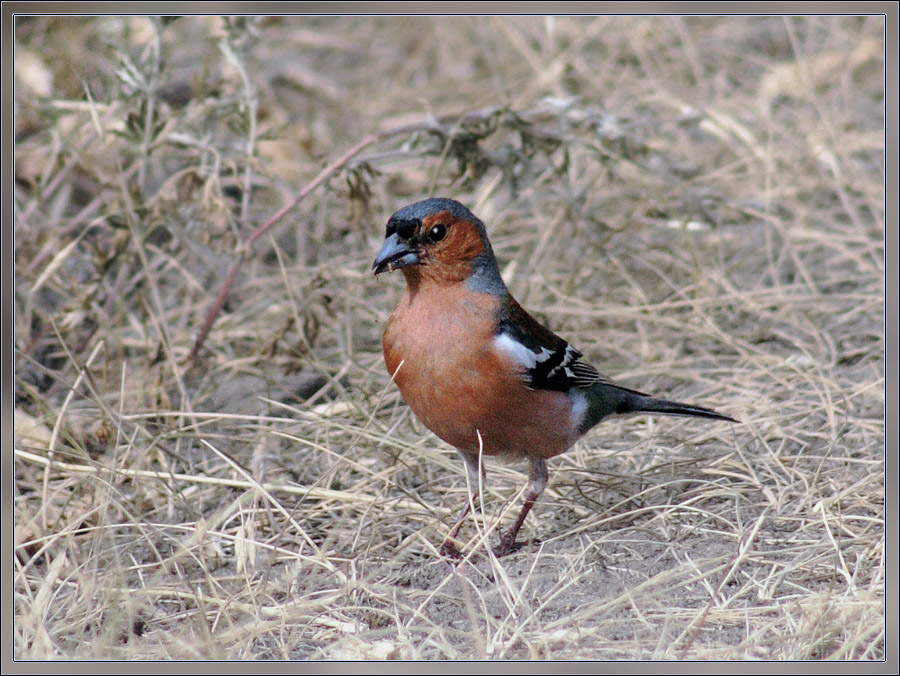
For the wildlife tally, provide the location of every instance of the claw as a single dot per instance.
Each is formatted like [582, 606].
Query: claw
[450, 551]
[508, 545]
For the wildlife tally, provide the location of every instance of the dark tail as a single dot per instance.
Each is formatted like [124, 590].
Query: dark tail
[607, 399]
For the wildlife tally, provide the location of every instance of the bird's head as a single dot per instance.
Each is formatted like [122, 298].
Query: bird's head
[438, 240]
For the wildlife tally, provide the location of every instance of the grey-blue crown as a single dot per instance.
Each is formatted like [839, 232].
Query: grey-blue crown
[419, 210]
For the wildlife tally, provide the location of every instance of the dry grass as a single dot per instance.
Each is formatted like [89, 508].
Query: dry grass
[699, 208]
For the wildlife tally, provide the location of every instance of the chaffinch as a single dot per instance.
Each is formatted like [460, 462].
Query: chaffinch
[476, 368]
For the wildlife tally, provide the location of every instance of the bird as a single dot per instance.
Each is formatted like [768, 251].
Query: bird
[477, 369]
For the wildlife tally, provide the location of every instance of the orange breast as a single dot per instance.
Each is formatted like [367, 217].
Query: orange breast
[438, 344]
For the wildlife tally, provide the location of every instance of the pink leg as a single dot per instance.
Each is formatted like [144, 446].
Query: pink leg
[449, 549]
[537, 482]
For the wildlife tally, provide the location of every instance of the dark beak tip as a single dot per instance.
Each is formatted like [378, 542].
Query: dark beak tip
[394, 254]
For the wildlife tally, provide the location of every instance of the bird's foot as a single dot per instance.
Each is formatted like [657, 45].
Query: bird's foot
[508, 545]
[450, 552]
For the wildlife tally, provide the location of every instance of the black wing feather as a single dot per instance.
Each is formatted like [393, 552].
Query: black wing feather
[558, 366]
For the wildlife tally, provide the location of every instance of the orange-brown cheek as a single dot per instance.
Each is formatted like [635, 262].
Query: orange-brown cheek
[450, 260]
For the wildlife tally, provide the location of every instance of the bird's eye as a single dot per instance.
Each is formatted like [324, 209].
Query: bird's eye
[437, 232]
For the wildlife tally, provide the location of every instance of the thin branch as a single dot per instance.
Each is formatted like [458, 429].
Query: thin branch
[262, 229]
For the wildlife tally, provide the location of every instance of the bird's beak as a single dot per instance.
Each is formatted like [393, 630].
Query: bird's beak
[394, 254]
